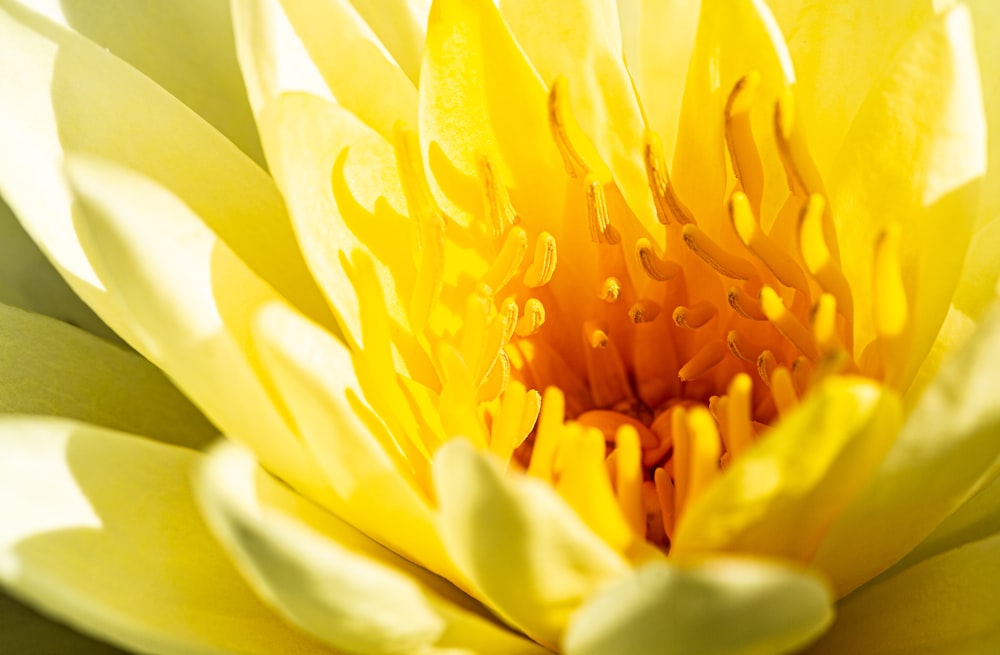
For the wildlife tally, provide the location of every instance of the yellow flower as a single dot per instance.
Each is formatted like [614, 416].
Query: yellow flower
[495, 377]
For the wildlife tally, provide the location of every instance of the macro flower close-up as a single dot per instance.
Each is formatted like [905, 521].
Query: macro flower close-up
[458, 326]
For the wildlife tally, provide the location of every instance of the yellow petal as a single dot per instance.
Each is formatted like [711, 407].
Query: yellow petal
[779, 498]
[582, 41]
[189, 303]
[63, 93]
[376, 488]
[949, 441]
[527, 553]
[947, 604]
[479, 97]
[919, 173]
[50, 368]
[29, 281]
[401, 26]
[734, 38]
[330, 579]
[372, 86]
[721, 605]
[186, 47]
[113, 544]
[841, 49]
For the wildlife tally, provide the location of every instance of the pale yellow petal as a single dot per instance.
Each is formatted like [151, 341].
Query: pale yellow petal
[780, 498]
[185, 46]
[189, 303]
[50, 368]
[401, 26]
[112, 543]
[329, 578]
[949, 441]
[942, 606]
[525, 551]
[479, 97]
[721, 606]
[62, 93]
[582, 42]
[841, 49]
[917, 172]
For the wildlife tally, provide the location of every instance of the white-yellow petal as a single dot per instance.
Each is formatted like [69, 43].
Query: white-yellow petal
[721, 606]
[112, 543]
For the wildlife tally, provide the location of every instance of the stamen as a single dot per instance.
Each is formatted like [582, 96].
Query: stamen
[578, 153]
[766, 363]
[786, 323]
[532, 319]
[543, 266]
[598, 219]
[715, 256]
[499, 209]
[666, 494]
[594, 334]
[608, 421]
[656, 268]
[696, 316]
[739, 138]
[644, 311]
[741, 347]
[744, 304]
[890, 304]
[607, 377]
[507, 261]
[628, 478]
[496, 379]
[704, 453]
[664, 197]
[818, 258]
[507, 422]
[738, 415]
[824, 323]
[803, 179]
[802, 371]
[772, 255]
[550, 424]
[611, 290]
[783, 391]
[703, 361]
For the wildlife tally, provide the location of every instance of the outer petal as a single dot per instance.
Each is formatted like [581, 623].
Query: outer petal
[911, 158]
[111, 542]
[189, 303]
[50, 368]
[332, 580]
[28, 280]
[944, 605]
[949, 441]
[718, 607]
[185, 46]
[841, 49]
[526, 552]
[64, 93]
[401, 26]
[780, 498]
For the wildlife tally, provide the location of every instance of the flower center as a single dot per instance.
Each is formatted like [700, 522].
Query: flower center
[659, 369]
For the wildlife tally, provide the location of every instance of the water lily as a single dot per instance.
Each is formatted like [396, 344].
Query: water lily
[571, 326]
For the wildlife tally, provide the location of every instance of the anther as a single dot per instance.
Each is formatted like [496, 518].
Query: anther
[744, 304]
[578, 153]
[824, 323]
[715, 256]
[656, 268]
[802, 370]
[611, 290]
[668, 205]
[507, 261]
[644, 311]
[532, 319]
[544, 264]
[499, 209]
[739, 137]
[703, 361]
[766, 363]
[598, 219]
[695, 316]
[741, 347]
[889, 293]
[595, 335]
[772, 256]
[786, 322]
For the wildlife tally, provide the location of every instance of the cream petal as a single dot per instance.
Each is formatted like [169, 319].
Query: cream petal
[62, 93]
[944, 605]
[272, 56]
[524, 550]
[375, 486]
[28, 281]
[100, 529]
[582, 41]
[721, 606]
[949, 441]
[50, 368]
[841, 49]
[780, 498]
[185, 46]
[330, 579]
[189, 303]
[912, 158]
